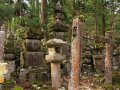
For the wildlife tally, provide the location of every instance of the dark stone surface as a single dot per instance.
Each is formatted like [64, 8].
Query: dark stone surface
[9, 56]
[33, 34]
[32, 45]
[33, 59]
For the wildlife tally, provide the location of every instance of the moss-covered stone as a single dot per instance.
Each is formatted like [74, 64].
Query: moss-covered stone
[33, 34]
[7, 85]
[32, 45]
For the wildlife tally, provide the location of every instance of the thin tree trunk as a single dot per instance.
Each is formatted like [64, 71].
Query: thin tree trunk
[44, 16]
[103, 19]
[96, 19]
[76, 55]
[112, 19]
[43, 11]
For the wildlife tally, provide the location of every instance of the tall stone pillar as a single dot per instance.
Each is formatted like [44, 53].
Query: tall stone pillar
[108, 58]
[2, 37]
[76, 54]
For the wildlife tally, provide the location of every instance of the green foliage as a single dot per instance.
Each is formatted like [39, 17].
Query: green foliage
[6, 11]
[8, 84]
[10, 81]
[108, 87]
[33, 22]
[116, 78]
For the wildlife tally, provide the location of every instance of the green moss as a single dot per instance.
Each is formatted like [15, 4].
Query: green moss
[9, 81]
[108, 87]
[18, 88]
[116, 78]
[8, 84]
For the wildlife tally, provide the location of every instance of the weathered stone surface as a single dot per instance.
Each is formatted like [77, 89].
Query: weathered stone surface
[2, 36]
[59, 25]
[33, 59]
[86, 61]
[66, 51]
[23, 74]
[38, 74]
[87, 54]
[32, 45]
[108, 58]
[11, 66]
[55, 42]
[76, 54]
[56, 75]
[7, 76]
[9, 56]
[99, 62]
[86, 68]
[33, 34]
[55, 58]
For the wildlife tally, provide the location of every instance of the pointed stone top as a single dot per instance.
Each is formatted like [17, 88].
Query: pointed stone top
[58, 4]
[58, 7]
[55, 42]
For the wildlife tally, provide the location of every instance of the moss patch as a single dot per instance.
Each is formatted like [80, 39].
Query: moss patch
[18, 88]
[108, 87]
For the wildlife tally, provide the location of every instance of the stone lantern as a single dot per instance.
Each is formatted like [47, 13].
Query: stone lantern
[55, 57]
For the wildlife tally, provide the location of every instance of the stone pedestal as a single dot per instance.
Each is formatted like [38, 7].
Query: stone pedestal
[33, 59]
[32, 55]
[99, 63]
[56, 74]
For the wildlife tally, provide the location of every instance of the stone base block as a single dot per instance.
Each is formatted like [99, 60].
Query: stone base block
[33, 59]
[86, 68]
[98, 63]
[38, 74]
[9, 56]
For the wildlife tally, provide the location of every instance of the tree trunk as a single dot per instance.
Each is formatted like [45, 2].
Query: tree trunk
[44, 16]
[76, 54]
[112, 19]
[103, 18]
[96, 19]
[43, 11]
